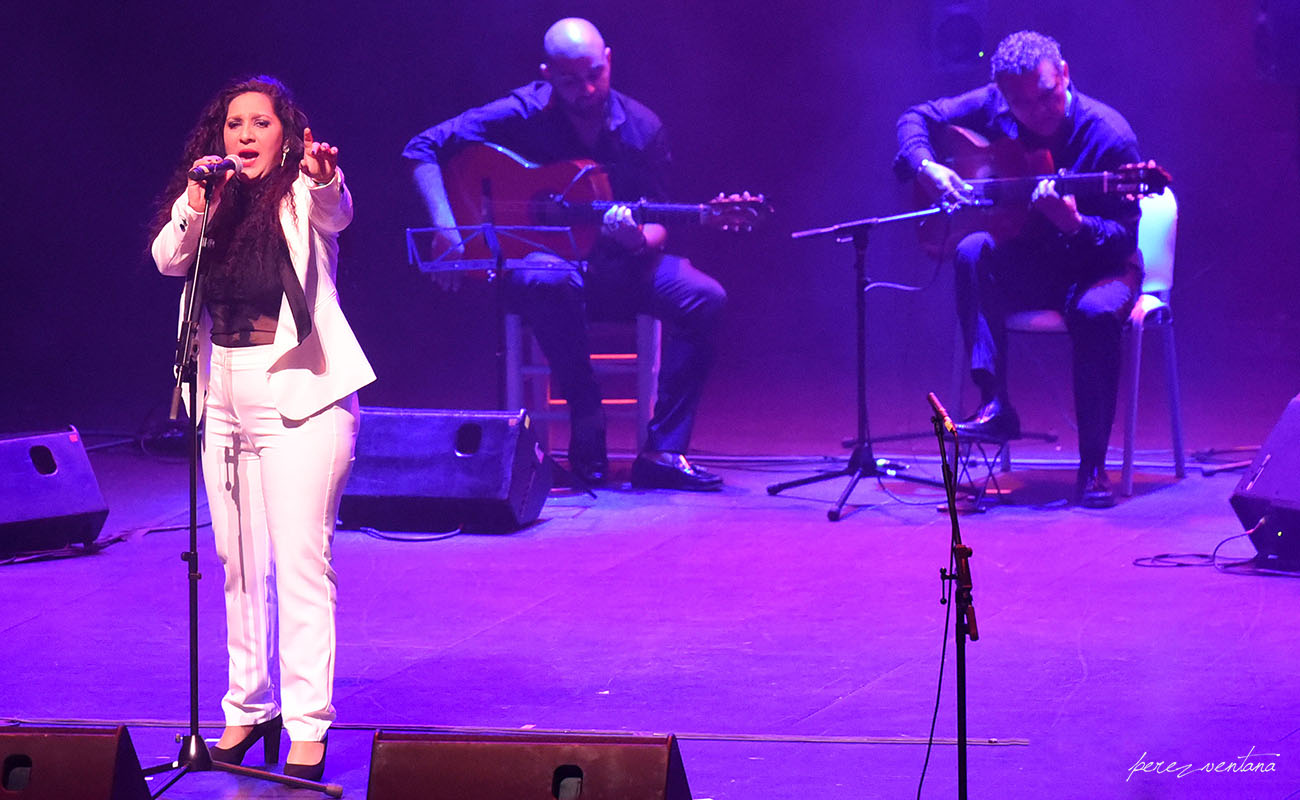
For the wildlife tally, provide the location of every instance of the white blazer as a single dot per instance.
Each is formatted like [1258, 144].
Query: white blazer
[328, 365]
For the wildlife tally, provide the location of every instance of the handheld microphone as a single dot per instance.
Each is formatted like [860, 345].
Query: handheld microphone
[204, 172]
[942, 413]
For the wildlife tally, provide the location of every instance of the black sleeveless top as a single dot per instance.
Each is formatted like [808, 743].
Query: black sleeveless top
[245, 268]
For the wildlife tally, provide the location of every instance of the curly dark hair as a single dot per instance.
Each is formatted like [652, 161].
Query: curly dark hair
[207, 138]
[1022, 51]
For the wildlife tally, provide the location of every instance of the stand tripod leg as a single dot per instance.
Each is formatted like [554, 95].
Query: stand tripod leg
[195, 757]
[837, 510]
[330, 789]
[777, 488]
[181, 773]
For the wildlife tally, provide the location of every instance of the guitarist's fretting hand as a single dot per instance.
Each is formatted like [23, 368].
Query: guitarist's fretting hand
[943, 184]
[619, 225]
[1061, 211]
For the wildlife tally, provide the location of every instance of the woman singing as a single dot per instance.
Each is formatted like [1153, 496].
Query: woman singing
[278, 372]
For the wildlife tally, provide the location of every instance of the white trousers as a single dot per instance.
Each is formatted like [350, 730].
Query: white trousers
[273, 489]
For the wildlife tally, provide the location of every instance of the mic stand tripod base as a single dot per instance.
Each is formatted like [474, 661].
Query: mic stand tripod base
[862, 464]
[195, 757]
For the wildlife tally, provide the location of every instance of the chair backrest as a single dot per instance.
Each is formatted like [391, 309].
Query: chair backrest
[1157, 233]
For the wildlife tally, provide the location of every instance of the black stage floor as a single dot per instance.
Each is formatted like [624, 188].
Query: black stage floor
[793, 657]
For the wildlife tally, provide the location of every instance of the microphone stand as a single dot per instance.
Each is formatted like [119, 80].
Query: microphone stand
[194, 755]
[862, 461]
[961, 577]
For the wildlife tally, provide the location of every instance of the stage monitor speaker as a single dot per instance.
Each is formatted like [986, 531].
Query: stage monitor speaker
[514, 766]
[1267, 499]
[49, 497]
[70, 764]
[435, 470]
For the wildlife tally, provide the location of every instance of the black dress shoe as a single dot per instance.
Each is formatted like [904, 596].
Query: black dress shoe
[268, 731]
[995, 421]
[309, 772]
[672, 471]
[1094, 488]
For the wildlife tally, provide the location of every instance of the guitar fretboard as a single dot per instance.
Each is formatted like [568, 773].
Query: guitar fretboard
[1083, 183]
[644, 211]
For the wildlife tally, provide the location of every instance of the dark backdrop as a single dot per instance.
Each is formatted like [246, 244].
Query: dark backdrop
[797, 100]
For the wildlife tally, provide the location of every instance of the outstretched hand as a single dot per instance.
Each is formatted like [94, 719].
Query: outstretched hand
[319, 159]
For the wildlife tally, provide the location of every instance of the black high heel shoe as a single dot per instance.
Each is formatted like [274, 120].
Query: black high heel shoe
[268, 732]
[309, 772]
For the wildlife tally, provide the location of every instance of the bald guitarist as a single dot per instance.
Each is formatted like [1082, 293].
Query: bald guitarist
[572, 113]
[1074, 252]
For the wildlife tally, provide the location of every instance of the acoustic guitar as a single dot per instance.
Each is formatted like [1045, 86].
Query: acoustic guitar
[557, 208]
[1003, 174]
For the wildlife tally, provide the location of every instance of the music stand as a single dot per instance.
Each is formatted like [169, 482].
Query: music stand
[430, 251]
[862, 461]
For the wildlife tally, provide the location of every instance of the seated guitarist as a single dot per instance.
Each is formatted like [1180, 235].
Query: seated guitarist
[1073, 254]
[572, 113]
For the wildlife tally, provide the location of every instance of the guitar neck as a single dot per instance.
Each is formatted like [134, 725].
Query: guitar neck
[645, 211]
[1086, 183]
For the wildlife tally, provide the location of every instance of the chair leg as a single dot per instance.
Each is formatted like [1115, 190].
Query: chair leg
[1004, 453]
[514, 336]
[514, 331]
[648, 337]
[1175, 401]
[541, 389]
[980, 489]
[1134, 370]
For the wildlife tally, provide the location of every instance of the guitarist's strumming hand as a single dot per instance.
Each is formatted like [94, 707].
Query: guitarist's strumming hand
[1061, 211]
[943, 184]
[447, 243]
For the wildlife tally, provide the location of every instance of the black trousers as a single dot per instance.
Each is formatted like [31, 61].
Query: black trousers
[994, 280]
[557, 301]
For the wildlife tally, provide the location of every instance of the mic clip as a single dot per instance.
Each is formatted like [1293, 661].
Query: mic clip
[951, 204]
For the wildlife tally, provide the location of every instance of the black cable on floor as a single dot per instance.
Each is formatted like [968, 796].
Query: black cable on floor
[947, 601]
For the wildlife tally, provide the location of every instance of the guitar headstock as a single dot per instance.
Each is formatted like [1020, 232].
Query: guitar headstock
[1138, 180]
[735, 212]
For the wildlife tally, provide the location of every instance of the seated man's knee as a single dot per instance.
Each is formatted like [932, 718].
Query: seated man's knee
[713, 297]
[708, 296]
[972, 248]
[1108, 299]
[544, 282]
